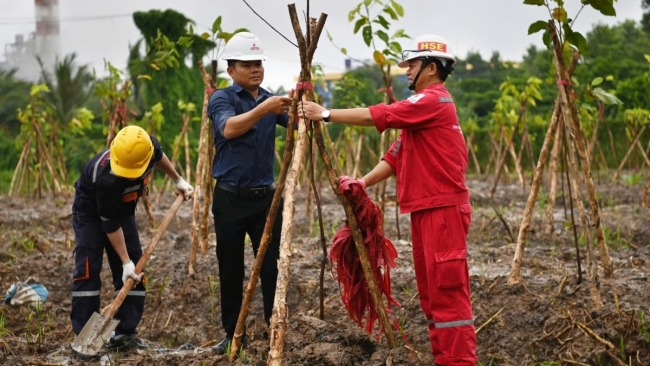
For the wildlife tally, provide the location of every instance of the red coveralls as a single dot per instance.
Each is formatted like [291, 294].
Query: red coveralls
[430, 159]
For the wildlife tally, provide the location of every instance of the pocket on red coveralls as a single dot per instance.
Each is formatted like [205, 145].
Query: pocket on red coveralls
[451, 268]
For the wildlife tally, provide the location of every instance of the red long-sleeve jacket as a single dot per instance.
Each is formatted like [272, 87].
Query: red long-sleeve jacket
[430, 156]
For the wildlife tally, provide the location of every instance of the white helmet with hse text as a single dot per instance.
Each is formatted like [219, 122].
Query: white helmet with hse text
[244, 46]
[427, 45]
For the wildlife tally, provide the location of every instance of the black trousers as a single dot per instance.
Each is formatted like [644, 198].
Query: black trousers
[234, 217]
[92, 241]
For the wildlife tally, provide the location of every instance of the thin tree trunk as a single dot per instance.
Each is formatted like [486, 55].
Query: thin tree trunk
[518, 169]
[629, 151]
[208, 184]
[202, 161]
[470, 147]
[280, 312]
[571, 114]
[357, 156]
[553, 168]
[188, 158]
[508, 148]
[594, 136]
[20, 166]
[515, 276]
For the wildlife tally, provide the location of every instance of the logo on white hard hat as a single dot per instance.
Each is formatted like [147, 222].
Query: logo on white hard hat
[255, 48]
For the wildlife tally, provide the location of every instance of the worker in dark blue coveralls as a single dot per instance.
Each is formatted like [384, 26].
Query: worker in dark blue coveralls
[244, 117]
[104, 220]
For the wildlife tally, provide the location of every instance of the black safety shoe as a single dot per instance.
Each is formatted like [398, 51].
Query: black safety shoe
[124, 342]
[223, 347]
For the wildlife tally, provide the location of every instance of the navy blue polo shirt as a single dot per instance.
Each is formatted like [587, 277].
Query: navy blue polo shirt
[246, 161]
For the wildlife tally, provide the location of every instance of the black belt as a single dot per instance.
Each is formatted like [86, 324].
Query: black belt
[247, 192]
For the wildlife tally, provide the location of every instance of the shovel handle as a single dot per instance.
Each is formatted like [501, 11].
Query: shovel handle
[111, 309]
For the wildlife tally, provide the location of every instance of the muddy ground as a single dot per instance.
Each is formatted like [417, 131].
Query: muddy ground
[551, 320]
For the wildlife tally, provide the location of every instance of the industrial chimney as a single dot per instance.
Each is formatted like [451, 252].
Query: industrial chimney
[47, 30]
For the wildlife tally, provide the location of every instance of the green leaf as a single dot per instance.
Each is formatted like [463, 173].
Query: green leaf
[367, 35]
[367, 2]
[396, 47]
[329, 36]
[539, 25]
[191, 31]
[352, 14]
[597, 81]
[398, 8]
[609, 77]
[216, 26]
[578, 40]
[647, 57]
[605, 97]
[382, 35]
[344, 50]
[361, 22]
[605, 7]
[559, 14]
[381, 20]
[534, 2]
[400, 34]
[390, 12]
[205, 35]
[546, 37]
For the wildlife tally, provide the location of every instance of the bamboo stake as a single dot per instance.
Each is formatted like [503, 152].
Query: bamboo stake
[566, 91]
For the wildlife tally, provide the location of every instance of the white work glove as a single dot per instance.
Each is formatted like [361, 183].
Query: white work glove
[184, 188]
[128, 270]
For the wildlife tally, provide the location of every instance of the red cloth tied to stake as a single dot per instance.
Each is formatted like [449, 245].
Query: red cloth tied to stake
[345, 258]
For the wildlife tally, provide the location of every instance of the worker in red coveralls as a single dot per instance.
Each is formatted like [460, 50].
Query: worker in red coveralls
[429, 160]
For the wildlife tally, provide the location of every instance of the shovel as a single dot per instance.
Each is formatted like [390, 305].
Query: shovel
[99, 327]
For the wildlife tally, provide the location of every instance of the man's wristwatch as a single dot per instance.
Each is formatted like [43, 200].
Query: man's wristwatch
[326, 115]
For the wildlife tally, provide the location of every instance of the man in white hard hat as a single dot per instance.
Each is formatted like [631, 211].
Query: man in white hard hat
[244, 117]
[429, 160]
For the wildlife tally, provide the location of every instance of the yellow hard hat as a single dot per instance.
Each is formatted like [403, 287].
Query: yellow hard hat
[131, 151]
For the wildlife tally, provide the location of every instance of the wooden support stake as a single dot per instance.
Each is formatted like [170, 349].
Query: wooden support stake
[571, 115]
[202, 162]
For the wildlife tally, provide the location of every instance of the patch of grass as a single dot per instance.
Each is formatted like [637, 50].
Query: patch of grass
[622, 349]
[213, 290]
[613, 237]
[407, 290]
[162, 290]
[644, 325]
[492, 362]
[631, 179]
[3, 328]
[27, 245]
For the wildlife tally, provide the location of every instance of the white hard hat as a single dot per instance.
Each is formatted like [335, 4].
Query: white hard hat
[244, 46]
[431, 45]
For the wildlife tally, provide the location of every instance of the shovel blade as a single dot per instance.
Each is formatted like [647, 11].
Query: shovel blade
[94, 334]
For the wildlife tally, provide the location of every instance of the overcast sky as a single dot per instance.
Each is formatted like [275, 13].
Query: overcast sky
[98, 30]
